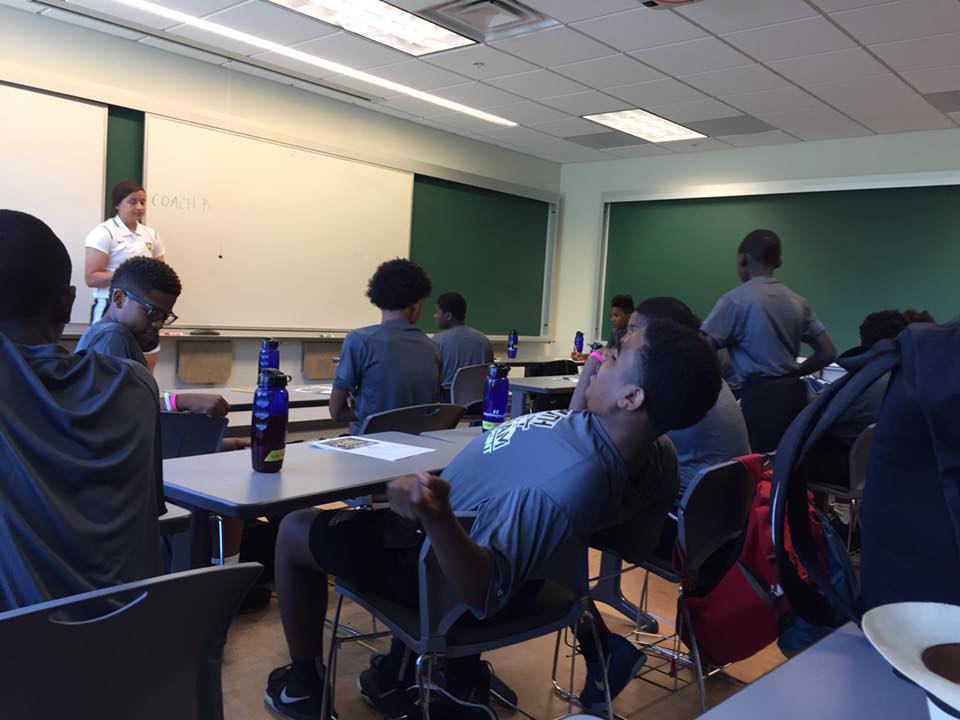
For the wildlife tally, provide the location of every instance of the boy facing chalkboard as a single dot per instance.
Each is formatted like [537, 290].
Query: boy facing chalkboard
[393, 364]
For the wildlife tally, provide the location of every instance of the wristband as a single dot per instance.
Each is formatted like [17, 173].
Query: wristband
[596, 355]
[173, 402]
[170, 402]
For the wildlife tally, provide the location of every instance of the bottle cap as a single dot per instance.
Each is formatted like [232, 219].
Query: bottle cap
[498, 371]
[270, 343]
[271, 377]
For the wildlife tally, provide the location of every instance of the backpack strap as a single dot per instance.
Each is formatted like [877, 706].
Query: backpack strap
[819, 603]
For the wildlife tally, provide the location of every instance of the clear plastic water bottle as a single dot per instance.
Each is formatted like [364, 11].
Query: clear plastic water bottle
[578, 341]
[513, 342]
[268, 429]
[495, 396]
[269, 354]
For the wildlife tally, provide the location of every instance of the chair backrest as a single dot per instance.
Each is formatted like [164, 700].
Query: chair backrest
[858, 460]
[415, 419]
[150, 649]
[713, 516]
[185, 434]
[469, 384]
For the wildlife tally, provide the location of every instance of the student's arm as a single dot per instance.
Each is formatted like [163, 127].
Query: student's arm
[824, 353]
[579, 399]
[720, 325]
[340, 410]
[426, 498]
[95, 273]
[347, 379]
[203, 404]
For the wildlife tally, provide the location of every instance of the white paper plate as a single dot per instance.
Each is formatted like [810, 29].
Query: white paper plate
[902, 631]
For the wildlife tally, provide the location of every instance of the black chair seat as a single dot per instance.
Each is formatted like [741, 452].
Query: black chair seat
[661, 567]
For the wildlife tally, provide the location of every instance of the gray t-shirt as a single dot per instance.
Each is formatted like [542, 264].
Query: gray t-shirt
[81, 483]
[762, 323]
[719, 437]
[542, 485]
[460, 346]
[863, 410]
[388, 366]
[109, 337]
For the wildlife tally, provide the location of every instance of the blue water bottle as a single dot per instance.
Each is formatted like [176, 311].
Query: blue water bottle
[268, 429]
[269, 354]
[513, 341]
[495, 396]
[578, 342]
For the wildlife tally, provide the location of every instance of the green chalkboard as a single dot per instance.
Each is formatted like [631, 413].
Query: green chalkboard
[848, 252]
[124, 149]
[488, 246]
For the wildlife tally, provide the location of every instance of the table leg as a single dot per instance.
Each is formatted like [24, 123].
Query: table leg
[517, 403]
[192, 548]
[609, 592]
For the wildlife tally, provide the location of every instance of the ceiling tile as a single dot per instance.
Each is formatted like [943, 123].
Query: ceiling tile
[790, 98]
[190, 32]
[413, 5]
[693, 56]
[901, 20]
[835, 5]
[837, 65]
[184, 50]
[360, 87]
[656, 92]
[947, 101]
[609, 71]
[352, 51]
[819, 123]
[527, 113]
[707, 109]
[586, 103]
[608, 139]
[773, 137]
[564, 151]
[556, 46]
[200, 8]
[569, 127]
[479, 62]
[517, 136]
[24, 5]
[113, 9]
[419, 75]
[934, 80]
[259, 72]
[921, 53]
[956, 117]
[697, 145]
[636, 151]
[737, 125]
[721, 16]
[906, 117]
[272, 22]
[732, 81]
[568, 11]
[641, 28]
[411, 105]
[296, 66]
[537, 84]
[793, 39]
[458, 121]
[874, 92]
[332, 93]
[87, 22]
[477, 94]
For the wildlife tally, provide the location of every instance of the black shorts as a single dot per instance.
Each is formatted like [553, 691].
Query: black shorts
[376, 550]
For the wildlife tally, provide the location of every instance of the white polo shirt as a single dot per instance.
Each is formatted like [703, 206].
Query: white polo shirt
[119, 243]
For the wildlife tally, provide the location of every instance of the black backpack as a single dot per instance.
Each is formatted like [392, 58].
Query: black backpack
[913, 481]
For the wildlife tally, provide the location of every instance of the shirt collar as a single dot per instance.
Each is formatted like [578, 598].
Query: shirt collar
[126, 231]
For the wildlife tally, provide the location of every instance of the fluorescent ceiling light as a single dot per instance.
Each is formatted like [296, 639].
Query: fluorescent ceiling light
[645, 125]
[254, 41]
[382, 22]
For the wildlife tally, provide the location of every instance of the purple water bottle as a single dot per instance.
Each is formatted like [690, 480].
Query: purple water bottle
[578, 342]
[495, 396]
[269, 354]
[513, 341]
[268, 429]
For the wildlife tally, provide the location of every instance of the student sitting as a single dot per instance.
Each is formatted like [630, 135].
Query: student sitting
[621, 308]
[762, 323]
[393, 364]
[460, 345]
[80, 473]
[143, 292]
[542, 483]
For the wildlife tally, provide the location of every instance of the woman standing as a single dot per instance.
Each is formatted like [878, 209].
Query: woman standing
[115, 240]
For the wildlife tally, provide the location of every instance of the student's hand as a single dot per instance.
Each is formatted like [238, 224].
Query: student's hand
[203, 404]
[579, 357]
[419, 497]
[235, 443]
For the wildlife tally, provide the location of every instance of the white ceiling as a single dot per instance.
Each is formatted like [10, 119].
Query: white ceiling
[742, 72]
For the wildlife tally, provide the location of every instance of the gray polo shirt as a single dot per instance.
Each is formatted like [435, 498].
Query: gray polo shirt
[460, 346]
[719, 437]
[81, 482]
[109, 337]
[388, 366]
[762, 324]
[543, 483]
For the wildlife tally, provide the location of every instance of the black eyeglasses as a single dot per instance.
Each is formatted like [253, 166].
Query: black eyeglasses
[153, 314]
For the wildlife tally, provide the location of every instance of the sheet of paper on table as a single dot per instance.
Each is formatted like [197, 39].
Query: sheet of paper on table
[371, 448]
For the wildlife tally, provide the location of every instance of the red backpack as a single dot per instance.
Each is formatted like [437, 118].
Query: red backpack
[744, 612]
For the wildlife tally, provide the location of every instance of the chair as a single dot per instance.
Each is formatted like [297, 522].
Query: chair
[468, 387]
[185, 434]
[444, 626]
[711, 522]
[150, 649]
[859, 453]
[769, 406]
[415, 419]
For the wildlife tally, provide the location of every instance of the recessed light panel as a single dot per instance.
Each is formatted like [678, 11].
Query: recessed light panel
[642, 124]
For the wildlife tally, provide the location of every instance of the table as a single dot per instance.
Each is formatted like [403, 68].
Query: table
[549, 385]
[840, 678]
[224, 483]
[526, 362]
[458, 435]
[241, 398]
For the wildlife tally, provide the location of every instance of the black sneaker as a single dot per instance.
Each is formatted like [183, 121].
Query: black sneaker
[294, 704]
[395, 700]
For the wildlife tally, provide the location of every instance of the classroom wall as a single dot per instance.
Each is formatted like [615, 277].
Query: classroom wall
[907, 158]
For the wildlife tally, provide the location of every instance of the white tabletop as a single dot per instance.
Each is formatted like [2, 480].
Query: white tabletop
[225, 483]
[550, 384]
[241, 398]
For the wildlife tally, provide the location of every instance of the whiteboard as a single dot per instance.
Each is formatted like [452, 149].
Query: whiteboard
[53, 165]
[266, 235]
